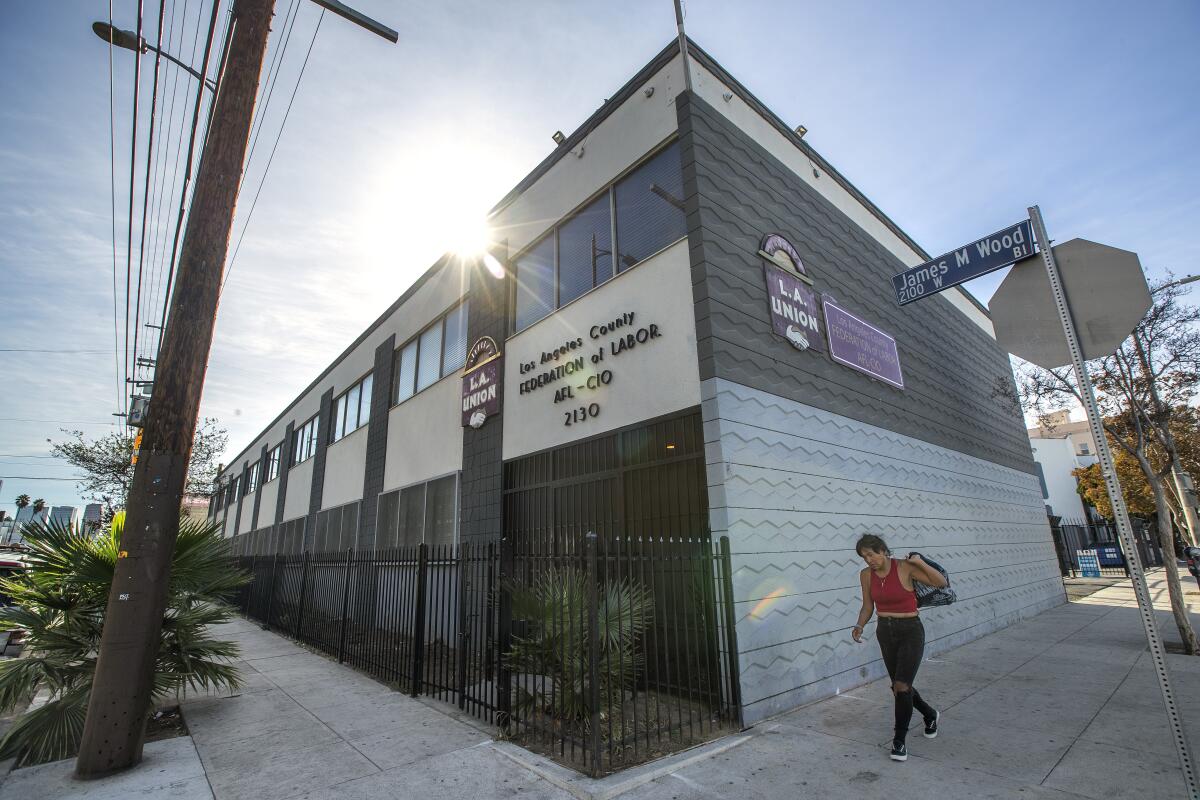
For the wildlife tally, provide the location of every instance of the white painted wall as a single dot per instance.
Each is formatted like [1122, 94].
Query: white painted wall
[1058, 459]
[266, 509]
[345, 463]
[425, 435]
[299, 487]
[247, 514]
[651, 379]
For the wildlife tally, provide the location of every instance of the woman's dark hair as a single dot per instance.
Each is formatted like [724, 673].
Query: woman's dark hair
[869, 541]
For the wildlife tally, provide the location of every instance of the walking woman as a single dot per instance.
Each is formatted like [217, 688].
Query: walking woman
[887, 589]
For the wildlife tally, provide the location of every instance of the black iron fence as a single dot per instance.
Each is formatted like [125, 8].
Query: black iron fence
[1087, 548]
[601, 652]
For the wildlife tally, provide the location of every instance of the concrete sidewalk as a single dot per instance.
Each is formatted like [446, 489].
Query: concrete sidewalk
[1064, 705]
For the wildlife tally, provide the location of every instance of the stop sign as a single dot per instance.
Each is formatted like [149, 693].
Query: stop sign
[1106, 290]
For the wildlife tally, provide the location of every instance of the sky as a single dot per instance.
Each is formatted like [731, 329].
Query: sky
[951, 117]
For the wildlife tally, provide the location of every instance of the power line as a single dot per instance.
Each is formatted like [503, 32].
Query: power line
[112, 182]
[38, 350]
[187, 170]
[137, 83]
[271, 158]
[40, 478]
[55, 421]
[137, 309]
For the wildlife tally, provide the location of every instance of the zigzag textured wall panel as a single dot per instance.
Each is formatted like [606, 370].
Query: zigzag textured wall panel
[794, 486]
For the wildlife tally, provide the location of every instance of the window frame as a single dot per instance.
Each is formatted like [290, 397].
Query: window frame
[253, 475]
[310, 440]
[274, 456]
[415, 341]
[339, 429]
[610, 190]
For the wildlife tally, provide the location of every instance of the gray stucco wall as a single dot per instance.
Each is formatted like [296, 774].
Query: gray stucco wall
[804, 455]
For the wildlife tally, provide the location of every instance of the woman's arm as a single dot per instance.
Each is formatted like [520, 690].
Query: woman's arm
[919, 570]
[868, 606]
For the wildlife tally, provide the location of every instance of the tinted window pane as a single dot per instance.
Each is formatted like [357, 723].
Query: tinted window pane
[352, 408]
[429, 363]
[387, 522]
[339, 418]
[650, 208]
[364, 403]
[406, 373]
[439, 516]
[412, 516]
[584, 251]
[455, 346]
[535, 283]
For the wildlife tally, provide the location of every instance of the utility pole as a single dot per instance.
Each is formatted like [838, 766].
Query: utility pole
[115, 728]
[121, 691]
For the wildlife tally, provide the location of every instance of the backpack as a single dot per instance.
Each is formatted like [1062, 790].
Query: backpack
[928, 596]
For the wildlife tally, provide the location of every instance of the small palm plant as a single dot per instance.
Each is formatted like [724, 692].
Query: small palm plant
[555, 649]
[60, 599]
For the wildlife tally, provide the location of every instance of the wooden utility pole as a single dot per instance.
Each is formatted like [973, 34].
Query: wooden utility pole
[121, 692]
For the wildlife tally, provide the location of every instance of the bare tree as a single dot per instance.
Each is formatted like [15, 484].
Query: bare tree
[1136, 393]
[106, 462]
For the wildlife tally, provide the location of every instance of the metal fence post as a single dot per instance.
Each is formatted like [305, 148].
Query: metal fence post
[464, 640]
[249, 589]
[735, 677]
[418, 635]
[271, 590]
[345, 606]
[303, 593]
[503, 636]
[589, 545]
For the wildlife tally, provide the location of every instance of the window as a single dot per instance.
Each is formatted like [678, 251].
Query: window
[429, 359]
[577, 255]
[585, 250]
[252, 477]
[235, 486]
[649, 205]
[406, 373]
[454, 341]
[304, 445]
[437, 351]
[273, 457]
[353, 409]
[424, 513]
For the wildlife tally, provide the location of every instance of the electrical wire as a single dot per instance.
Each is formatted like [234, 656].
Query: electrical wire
[112, 172]
[187, 176]
[137, 80]
[137, 309]
[271, 158]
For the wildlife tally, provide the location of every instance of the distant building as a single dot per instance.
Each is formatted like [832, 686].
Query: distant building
[93, 515]
[67, 515]
[1060, 447]
[1059, 426]
[26, 515]
[195, 507]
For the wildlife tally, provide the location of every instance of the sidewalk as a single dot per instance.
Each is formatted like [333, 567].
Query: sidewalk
[1064, 705]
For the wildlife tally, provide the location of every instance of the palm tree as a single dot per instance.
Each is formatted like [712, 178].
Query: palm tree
[39, 506]
[22, 502]
[60, 599]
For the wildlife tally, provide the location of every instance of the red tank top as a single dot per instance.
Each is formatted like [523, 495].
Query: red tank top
[889, 593]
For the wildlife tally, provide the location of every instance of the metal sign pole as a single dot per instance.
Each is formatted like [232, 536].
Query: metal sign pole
[1124, 531]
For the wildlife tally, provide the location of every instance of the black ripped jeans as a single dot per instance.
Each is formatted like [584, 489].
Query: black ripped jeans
[902, 642]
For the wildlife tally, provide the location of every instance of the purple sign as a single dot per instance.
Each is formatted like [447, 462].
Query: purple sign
[481, 393]
[861, 346]
[794, 309]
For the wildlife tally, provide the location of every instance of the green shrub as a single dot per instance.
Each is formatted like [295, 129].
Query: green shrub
[555, 649]
[60, 599]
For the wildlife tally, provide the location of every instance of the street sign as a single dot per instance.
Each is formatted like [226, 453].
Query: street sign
[978, 258]
[1108, 298]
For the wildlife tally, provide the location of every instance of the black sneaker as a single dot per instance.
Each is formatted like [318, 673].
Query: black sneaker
[899, 752]
[931, 725]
